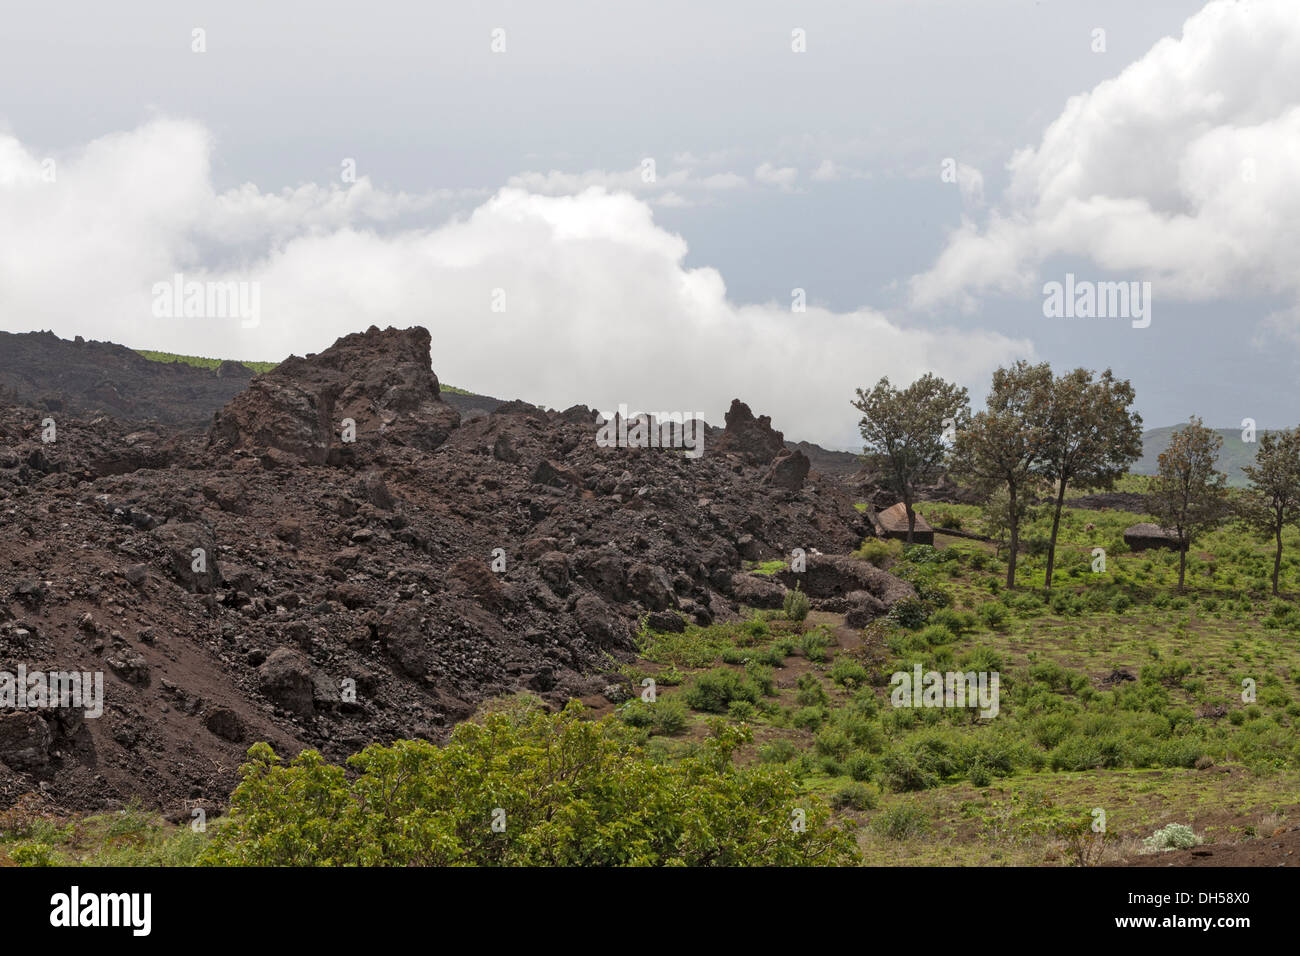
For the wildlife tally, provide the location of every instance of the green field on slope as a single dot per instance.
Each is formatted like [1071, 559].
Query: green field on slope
[201, 362]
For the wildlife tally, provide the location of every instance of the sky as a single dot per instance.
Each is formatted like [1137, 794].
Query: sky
[671, 205]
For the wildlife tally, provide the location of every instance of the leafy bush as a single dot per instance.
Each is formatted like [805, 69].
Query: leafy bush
[848, 672]
[901, 822]
[937, 634]
[860, 766]
[714, 690]
[666, 716]
[34, 854]
[955, 621]
[993, 614]
[796, 604]
[778, 751]
[567, 791]
[809, 691]
[814, 645]
[808, 718]
[910, 613]
[881, 552]
[904, 773]
[1175, 836]
[856, 796]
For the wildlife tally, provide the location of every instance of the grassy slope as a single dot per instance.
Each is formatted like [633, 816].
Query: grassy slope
[200, 362]
[1006, 791]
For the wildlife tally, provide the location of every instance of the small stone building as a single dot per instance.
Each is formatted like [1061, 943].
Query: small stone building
[892, 523]
[1144, 536]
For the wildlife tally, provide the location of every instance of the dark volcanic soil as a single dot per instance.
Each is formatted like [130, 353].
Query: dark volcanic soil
[87, 379]
[1280, 848]
[269, 580]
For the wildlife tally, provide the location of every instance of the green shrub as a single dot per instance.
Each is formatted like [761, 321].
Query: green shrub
[666, 716]
[814, 645]
[880, 552]
[955, 621]
[796, 604]
[760, 675]
[993, 614]
[833, 742]
[937, 634]
[714, 690]
[848, 672]
[910, 613]
[856, 796]
[778, 751]
[904, 773]
[417, 804]
[901, 822]
[741, 710]
[808, 718]
[809, 691]
[1175, 836]
[33, 854]
[861, 766]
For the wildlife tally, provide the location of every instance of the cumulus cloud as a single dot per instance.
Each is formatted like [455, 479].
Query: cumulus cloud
[970, 182]
[782, 176]
[599, 306]
[645, 178]
[1179, 171]
[829, 171]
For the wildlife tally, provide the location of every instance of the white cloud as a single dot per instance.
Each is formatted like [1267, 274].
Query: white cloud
[829, 171]
[637, 179]
[826, 172]
[970, 182]
[782, 177]
[600, 307]
[1180, 171]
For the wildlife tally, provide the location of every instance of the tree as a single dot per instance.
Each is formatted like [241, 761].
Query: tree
[1003, 443]
[1091, 437]
[1273, 499]
[996, 512]
[1189, 495]
[904, 431]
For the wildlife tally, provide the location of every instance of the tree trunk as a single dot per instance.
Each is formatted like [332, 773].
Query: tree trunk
[1013, 522]
[1277, 558]
[911, 518]
[1056, 523]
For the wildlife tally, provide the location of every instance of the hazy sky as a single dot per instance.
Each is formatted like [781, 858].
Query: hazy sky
[500, 196]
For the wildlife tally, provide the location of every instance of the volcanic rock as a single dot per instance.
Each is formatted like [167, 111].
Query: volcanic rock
[25, 741]
[788, 470]
[752, 438]
[1141, 537]
[381, 381]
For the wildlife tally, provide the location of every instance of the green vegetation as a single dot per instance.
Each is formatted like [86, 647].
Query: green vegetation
[796, 605]
[1233, 456]
[943, 785]
[906, 431]
[130, 837]
[199, 362]
[1176, 836]
[524, 787]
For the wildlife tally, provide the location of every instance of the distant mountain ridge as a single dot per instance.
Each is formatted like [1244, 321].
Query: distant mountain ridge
[1234, 455]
